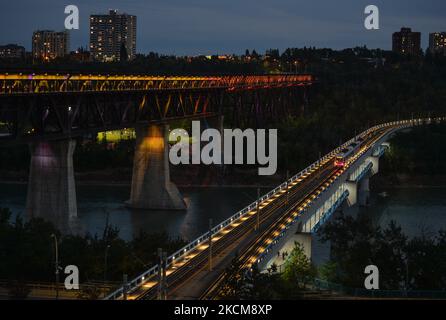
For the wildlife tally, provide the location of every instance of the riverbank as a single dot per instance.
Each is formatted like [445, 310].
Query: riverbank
[194, 176]
[128, 184]
[239, 179]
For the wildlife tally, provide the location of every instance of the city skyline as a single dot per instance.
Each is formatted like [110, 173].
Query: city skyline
[110, 33]
[202, 28]
[231, 154]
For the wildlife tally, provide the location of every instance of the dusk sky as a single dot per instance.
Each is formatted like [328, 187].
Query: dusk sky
[191, 27]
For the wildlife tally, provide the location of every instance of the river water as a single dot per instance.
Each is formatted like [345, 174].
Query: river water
[99, 204]
[417, 210]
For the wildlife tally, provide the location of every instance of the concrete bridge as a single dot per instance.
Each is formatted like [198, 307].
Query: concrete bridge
[293, 211]
[349, 188]
[50, 111]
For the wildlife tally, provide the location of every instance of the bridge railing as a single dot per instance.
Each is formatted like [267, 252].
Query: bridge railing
[63, 83]
[339, 196]
[179, 254]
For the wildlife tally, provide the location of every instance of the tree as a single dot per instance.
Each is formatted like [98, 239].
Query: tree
[328, 271]
[415, 264]
[89, 293]
[298, 268]
[123, 55]
[232, 287]
[18, 290]
[274, 268]
[31, 242]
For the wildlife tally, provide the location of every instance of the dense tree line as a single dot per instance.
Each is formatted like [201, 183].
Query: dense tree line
[419, 151]
[291, 282]
[153, 64]
[404, 264]
[27, 251]
[354, 95]
[417, 263]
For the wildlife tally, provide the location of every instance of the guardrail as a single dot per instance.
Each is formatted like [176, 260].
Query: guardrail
[50, 285]
[340, 198]
[359, 173]
[139, 280]
[327, 214]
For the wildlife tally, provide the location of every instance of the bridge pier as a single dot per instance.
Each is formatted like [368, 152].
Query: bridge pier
[306, 240]
[221, 128]
[375, 167]
[364, 191]
[51, 188]
[286, 244]
[352, 188]
[317, 252]
[151, 185]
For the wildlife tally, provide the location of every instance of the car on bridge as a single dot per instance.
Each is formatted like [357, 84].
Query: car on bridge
[344, 154]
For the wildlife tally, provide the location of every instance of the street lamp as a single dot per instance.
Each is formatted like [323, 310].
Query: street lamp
[56, 256]
[105, 262]
[258, 211]
[405, 257]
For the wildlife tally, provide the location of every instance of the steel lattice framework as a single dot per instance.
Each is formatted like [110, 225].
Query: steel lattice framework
[35, 84]
[61, 106]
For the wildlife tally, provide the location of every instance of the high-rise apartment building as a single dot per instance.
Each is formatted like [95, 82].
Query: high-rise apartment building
[48, 45]
[437, 43]
[113, 36]
[406, 42]
[12, 51]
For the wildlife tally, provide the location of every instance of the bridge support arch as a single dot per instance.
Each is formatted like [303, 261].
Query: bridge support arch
[151, 185]
[51, 189]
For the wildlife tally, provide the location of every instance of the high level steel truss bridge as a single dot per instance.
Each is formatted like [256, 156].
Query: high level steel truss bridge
[59, 106]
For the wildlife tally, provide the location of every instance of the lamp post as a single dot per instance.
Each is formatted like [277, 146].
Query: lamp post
[287, 177]
[407, 276]
[56, 256]
[257, 226]
[160, 274]
[105, 262]
[210, 244]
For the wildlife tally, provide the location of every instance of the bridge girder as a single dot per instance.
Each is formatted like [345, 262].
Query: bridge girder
[37, 84]
[58, 107]
[55, 116]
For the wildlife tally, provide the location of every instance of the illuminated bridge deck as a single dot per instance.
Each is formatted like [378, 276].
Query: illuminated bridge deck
[44, 83]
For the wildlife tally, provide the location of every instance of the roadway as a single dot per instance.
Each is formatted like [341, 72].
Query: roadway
[190, 278]
[251, 254]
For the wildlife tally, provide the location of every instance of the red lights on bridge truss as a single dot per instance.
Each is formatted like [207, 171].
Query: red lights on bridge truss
[44, 83]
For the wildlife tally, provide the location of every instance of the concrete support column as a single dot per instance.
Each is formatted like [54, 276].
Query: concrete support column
[51, 188]
[221, 129]
[286, 245]
[305, 239]
[375, 162]
[364, 191]
[151, 185]
[220, 124]
[352, 188]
